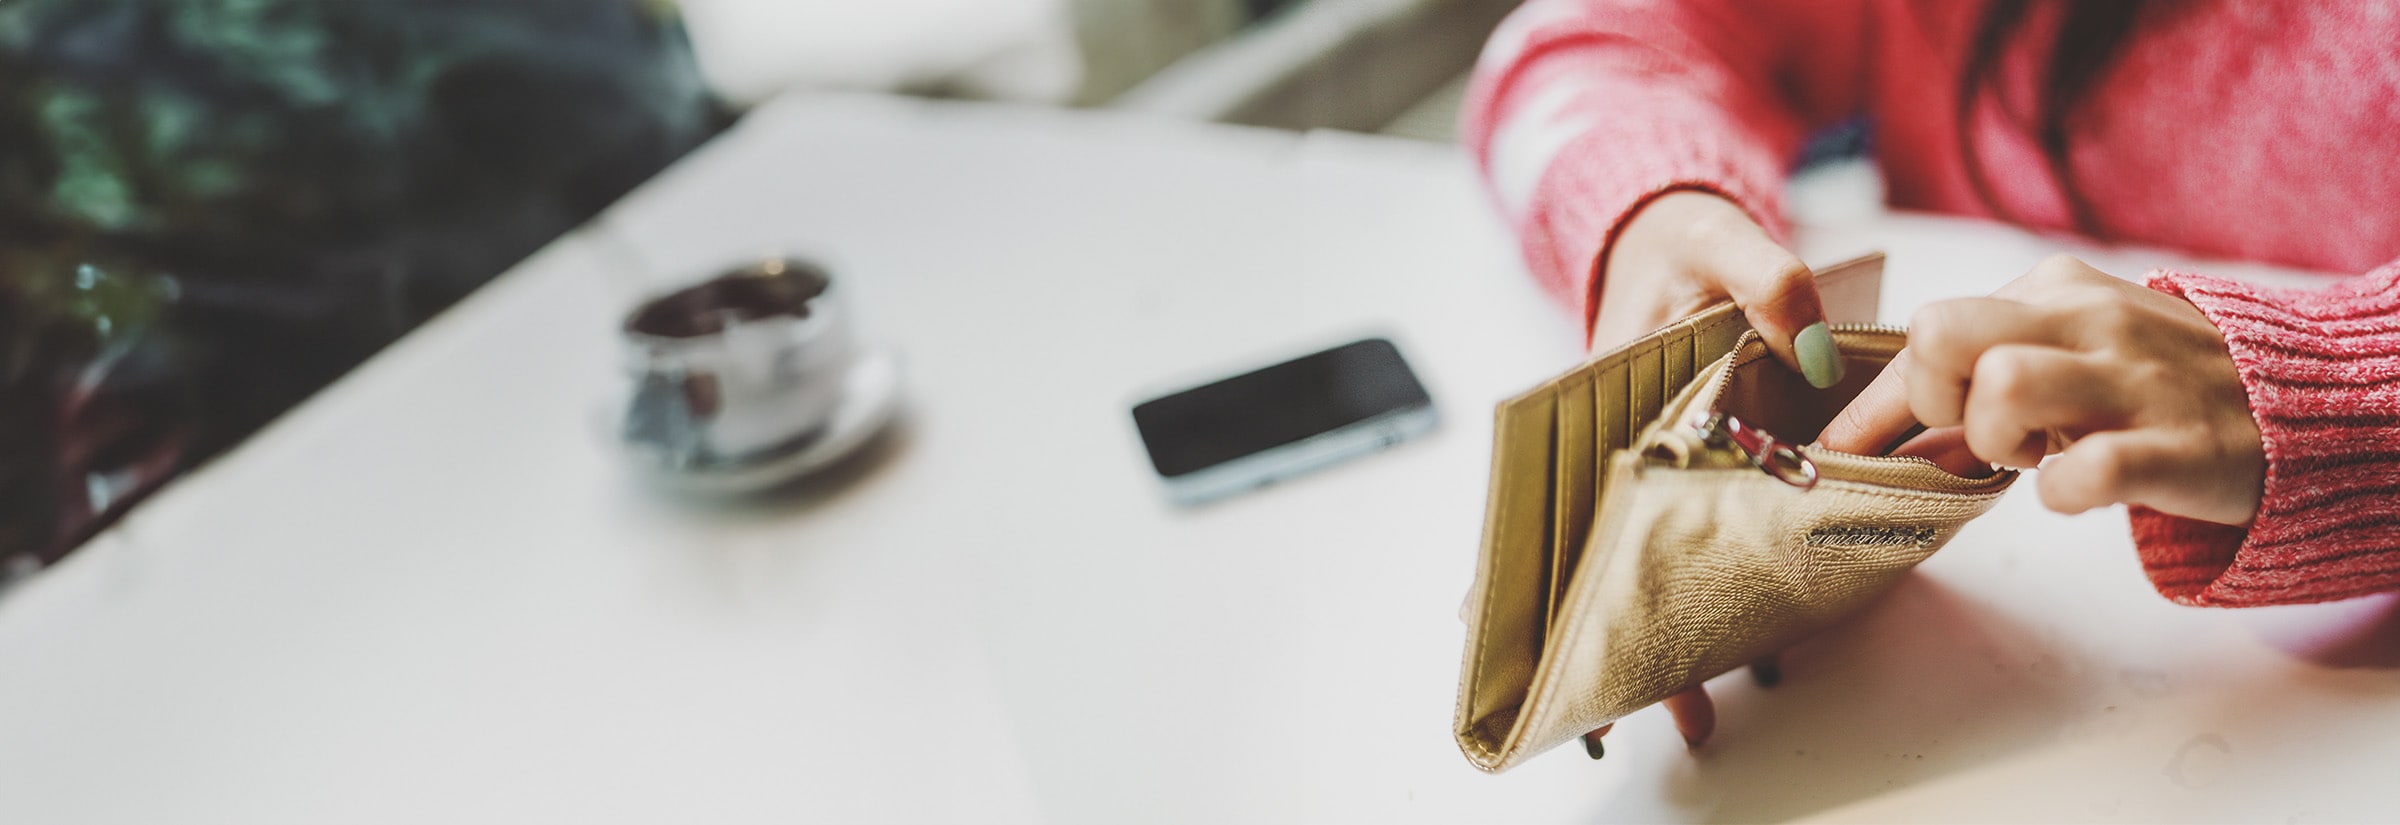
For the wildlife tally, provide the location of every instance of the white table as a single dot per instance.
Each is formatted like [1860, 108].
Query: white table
[429, 595]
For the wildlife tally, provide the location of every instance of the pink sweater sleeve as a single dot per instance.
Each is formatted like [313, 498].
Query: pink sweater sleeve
[2323, 373]
[1581, 111]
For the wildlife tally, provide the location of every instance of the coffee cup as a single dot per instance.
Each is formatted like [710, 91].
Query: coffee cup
[741, 368]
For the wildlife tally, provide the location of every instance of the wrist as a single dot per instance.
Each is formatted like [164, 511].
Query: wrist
[1665, 227]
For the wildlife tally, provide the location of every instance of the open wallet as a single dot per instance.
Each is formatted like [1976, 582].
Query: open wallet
[1655, 521]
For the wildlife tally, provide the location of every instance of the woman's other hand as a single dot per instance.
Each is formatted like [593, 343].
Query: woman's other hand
[1688, 250]
[2131, 389]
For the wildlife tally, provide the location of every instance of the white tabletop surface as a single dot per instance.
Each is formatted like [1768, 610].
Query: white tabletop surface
[431, 595]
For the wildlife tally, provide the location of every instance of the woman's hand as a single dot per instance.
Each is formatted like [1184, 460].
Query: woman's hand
[2131, 389]
[1686, 251]
[1680, 254]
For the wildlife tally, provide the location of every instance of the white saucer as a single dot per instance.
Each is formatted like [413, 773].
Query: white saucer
[870, 397]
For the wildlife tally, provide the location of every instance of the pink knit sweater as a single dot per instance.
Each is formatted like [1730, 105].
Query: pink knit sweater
[2240, 128]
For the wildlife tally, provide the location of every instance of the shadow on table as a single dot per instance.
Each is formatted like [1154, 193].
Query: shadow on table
[2354, 634]
[1926, 683]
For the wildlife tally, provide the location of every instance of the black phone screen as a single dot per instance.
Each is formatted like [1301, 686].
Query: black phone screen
[1267, 408]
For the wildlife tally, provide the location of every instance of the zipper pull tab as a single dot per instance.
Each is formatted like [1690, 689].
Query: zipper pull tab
[1783, 461]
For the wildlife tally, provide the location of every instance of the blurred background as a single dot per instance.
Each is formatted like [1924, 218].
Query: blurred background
[1368, 65]
[210, 209]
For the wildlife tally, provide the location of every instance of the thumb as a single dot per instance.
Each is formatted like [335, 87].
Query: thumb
[2158, 469]
[1778, 294]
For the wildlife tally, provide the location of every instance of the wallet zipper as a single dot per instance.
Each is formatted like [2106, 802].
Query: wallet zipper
[1803, 465]
[1900, 471]
[1719, 431]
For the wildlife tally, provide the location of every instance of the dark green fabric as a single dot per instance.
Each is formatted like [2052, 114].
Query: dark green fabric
[210, 208]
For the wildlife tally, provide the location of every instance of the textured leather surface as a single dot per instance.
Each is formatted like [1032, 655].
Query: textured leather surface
[1610, 580]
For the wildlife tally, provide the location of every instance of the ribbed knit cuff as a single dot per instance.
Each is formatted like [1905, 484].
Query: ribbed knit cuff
[1618, 105]
[2322, 370]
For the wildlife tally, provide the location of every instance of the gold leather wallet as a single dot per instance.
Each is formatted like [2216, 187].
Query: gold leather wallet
[1653, 523]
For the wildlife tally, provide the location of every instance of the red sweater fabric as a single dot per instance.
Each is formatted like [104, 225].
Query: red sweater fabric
[2238, 128]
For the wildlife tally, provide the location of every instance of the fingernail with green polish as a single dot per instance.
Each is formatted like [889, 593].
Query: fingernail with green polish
[1591, 745]
[1820, 363]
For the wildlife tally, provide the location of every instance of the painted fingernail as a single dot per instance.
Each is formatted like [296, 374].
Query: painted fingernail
[1766, 672]
[1591, 745]
[1820, 362]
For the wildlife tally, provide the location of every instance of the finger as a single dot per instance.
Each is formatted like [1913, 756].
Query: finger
[1876, 418]
[1695, 716]
[2110, 467]
[1591, 741]
[1945, 338]
[2021, 394]
[1947, 448]
[2172, 472]
[1778, 294]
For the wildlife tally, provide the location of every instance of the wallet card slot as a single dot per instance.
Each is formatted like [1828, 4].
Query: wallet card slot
[1648, 384]
[1678, 353]
[1507, 632]
[1575, 487]
[1617, 425]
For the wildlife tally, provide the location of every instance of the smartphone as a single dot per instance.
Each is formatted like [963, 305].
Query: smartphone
[1313, 411]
